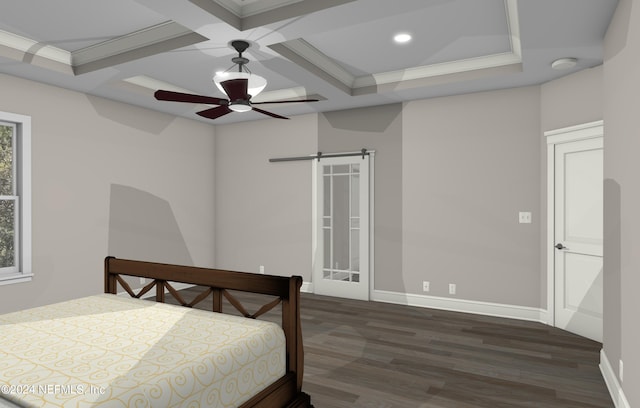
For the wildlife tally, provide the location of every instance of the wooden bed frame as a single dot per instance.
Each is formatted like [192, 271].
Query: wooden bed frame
[287, 391]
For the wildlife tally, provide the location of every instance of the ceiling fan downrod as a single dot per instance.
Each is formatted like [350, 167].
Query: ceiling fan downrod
[240, 46]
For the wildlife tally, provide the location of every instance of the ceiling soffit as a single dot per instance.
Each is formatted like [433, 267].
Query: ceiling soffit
[262, 12]
[141, 43]
[304, 54]
[246, 8]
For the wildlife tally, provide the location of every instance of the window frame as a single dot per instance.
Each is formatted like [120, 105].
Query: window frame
[22, 272]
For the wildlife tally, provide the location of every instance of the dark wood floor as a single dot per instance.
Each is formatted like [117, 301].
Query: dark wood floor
[367, 354]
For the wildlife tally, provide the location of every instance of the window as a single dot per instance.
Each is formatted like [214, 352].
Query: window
[15, 198]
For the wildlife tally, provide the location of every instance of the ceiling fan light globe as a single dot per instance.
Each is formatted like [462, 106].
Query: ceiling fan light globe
[402, 38]
[240, 107]
[256, 82]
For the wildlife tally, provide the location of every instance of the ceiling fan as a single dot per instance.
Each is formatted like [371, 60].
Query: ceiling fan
[239, 86]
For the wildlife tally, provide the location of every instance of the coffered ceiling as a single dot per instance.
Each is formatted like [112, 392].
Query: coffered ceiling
[339, 51]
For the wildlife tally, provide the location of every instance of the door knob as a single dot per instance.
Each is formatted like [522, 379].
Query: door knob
[560, 246]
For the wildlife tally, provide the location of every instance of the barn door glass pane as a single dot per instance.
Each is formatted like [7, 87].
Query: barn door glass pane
[341, 222]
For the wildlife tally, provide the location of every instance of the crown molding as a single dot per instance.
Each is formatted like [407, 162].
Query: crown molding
[25, 49]
[28, 46]
[318, 59]
[142, 43]
[435, 70]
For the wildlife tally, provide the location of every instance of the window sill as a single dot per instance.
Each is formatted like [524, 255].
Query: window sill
[15, 278]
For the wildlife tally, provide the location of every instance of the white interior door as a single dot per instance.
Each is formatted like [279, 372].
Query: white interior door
[578, 237]
[341, 227]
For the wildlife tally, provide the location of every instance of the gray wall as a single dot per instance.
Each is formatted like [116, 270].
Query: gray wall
[263, 210]
[376, 128]
[572, 99]
[447, 193]
[622, 196]
[108, 179]
[470, 163]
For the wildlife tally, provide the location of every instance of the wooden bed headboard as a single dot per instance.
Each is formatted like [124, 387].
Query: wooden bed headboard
[218, 282]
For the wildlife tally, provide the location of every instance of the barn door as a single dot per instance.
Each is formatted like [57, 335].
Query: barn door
[341, 227]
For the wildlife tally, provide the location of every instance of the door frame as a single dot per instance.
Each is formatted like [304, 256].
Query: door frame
[583, 131]
[314, 214]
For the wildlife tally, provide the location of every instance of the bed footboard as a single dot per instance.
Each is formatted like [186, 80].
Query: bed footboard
[287, 392]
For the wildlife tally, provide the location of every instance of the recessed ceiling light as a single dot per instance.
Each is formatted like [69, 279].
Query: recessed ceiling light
[402, 38]
[564, 63]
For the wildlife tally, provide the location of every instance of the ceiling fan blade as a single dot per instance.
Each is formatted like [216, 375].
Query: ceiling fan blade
[290, 101]
[236, 88]
[171, 96]
[273, 115]
[214, 113]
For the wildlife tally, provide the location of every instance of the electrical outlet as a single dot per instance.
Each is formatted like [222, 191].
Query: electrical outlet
[452, 288]
[425, 286]
[262, 269]
[143, 281]
[524, 217]
[621, 369]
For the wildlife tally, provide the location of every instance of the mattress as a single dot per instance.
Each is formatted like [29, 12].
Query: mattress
[114, 351]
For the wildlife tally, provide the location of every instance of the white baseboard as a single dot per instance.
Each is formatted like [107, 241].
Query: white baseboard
[544, 316]
[462, 305]
[433, 302]
[615, 389]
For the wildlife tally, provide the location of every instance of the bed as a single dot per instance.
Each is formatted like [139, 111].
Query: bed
[110, 350]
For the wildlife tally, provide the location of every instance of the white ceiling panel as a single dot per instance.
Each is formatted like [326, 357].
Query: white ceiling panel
[465, 29]
[338, 51]
[74, 24]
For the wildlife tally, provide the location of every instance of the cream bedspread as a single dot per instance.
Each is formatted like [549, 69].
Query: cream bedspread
[113, 351]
